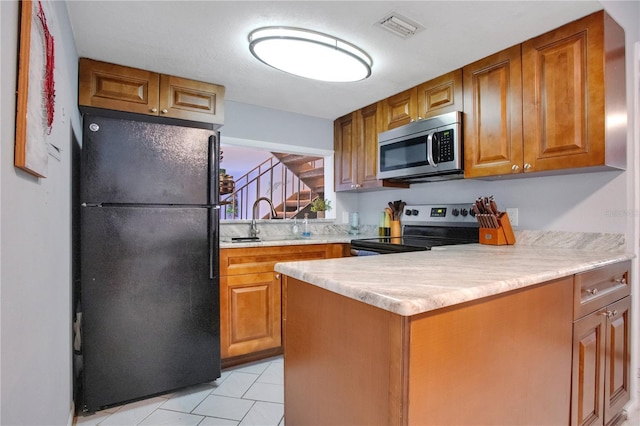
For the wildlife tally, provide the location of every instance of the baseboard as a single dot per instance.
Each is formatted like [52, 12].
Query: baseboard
[72, 414]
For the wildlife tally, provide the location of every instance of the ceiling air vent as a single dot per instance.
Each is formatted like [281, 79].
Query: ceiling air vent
[399, 25]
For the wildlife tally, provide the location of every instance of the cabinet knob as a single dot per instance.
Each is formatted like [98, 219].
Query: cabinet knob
[593, 291]
[622, 280]
[277, 276]
[164, 111]
[515, 167]
[527, 166]
[154, 109]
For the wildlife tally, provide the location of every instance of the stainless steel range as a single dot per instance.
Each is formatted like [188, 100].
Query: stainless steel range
[424, 226]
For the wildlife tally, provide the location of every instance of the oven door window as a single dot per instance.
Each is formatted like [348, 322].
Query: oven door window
[404, 154]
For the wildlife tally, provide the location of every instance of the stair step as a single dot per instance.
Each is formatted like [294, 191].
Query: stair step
[298, 158]
[305, 194]
[312, 173]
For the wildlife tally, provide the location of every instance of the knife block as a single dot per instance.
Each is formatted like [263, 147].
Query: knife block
[503, 235]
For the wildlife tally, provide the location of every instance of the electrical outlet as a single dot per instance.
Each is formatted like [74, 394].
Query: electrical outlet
[513, 215]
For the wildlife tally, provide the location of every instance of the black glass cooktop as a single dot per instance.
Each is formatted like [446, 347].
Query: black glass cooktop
[417, 239]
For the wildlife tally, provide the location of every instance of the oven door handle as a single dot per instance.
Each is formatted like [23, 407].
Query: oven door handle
[430, 150]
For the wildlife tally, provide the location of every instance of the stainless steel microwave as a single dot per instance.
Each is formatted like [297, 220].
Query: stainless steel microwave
[422, 151]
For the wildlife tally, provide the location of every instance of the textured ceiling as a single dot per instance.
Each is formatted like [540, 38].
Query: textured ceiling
[207, 40]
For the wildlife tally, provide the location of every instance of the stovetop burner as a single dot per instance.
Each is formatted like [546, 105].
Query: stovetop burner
[425, 226]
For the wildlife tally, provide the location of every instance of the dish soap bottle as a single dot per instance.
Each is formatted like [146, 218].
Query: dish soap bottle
[295, 229]
[305, 226]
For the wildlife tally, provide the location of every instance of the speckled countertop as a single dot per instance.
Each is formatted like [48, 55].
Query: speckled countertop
[413, 283]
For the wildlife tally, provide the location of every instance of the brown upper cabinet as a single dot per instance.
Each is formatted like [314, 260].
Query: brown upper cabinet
[493, 114]
[561, 94]
[399, 109]
[441, 95]
[356, 151]
[115, 87]
[438, 96]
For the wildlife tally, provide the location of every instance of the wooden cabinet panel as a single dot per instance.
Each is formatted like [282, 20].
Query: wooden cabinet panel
[487, 361]
[601, 345]
[250, 305]
[493, 114]
[346, 145]
[116, 87]
[565, 103]
[110, 86]
[564, 109]
[368, 123]
[191, 100]
[356, 151]
[400, 109]
[237, 261]
[618, 355]
[587, 407]
[440, 95]
[600, 287]
[251, 298]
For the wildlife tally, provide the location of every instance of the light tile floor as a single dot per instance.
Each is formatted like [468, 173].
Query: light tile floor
[247, 395]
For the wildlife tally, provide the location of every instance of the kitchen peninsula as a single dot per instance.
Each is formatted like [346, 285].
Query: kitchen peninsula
[467, 334]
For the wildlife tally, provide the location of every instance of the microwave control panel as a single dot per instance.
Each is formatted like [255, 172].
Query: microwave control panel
[444, 144]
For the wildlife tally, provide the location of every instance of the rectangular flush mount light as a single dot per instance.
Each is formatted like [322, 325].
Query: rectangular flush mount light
[399, 25]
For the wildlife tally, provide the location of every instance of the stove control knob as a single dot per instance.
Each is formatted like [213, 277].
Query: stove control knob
[408, 212]
[472, 213]
[455, 212]
[414, 212]
[464, 212]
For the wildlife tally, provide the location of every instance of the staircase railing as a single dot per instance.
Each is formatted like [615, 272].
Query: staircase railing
[268, 179]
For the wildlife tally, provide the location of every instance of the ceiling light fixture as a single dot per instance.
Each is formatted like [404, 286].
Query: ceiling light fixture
[310, 54]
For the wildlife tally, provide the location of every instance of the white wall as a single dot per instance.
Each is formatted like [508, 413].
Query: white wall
[35, 245]
[254, 123]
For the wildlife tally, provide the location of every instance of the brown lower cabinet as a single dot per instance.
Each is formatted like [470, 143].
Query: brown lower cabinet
[250, 298]
[601, 346]
[520, 357]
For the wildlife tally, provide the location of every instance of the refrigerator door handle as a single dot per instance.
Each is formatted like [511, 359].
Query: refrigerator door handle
[214, 212]
[214, 170]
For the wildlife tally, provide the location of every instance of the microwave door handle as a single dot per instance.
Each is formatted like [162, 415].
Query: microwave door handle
[430, 150]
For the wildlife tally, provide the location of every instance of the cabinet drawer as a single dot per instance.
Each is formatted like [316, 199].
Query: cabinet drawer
[237, 261]
[595, 289]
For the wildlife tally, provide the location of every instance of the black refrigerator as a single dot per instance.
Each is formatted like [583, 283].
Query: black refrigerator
[149, 282]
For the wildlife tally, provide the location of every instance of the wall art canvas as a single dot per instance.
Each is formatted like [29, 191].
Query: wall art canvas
[36, 91]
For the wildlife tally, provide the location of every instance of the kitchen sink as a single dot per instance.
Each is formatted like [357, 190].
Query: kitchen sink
[265, 238]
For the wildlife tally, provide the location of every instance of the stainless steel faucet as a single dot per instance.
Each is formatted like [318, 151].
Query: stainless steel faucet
[253, 230]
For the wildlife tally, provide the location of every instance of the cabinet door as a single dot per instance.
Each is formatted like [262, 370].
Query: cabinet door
[400, 109]
[191, 100]
[493, 115]
[588, 377]
[617, 368]
[110, 86]
[346, 147]
[367, 155]
[250, 313]
[563, 96]
[440, 95]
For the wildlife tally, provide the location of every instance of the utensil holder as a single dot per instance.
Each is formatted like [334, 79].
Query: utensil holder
[500, 236]
[396, 230]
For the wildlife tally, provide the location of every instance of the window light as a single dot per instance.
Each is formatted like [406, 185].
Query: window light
[309, 54]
